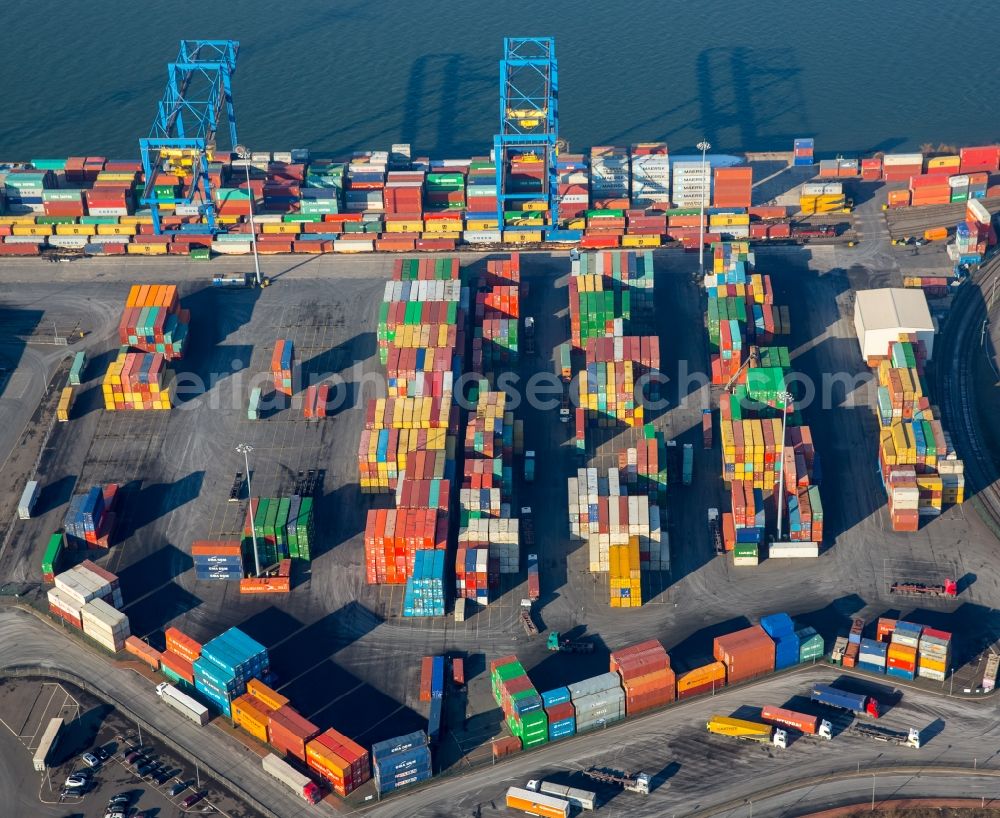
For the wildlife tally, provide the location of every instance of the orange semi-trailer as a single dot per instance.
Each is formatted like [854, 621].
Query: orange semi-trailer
[802, 722]
[535, 803]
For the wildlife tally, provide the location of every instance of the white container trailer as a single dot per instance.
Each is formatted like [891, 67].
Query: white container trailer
[290, 777]
[28, 499]
[584, 799]
[785, 550]
[183, 703]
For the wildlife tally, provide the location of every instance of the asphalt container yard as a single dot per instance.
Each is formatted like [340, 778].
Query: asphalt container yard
[340, 648]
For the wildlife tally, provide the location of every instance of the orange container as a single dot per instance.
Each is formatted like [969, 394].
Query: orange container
[265, 695]
[182, 645]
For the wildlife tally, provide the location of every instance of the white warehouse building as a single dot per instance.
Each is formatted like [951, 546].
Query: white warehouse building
[881, 316]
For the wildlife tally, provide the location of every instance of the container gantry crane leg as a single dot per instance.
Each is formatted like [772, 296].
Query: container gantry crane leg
[529, 121]
[182, 141]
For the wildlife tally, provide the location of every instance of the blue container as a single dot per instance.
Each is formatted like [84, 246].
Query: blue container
[399, 744]
[871, 666]
[786, 651]
[873, 647]
[434, 721]
[899, 672]
[910, 628]
[778, 624]
[437, 677]
[562, 729]
[553, 697]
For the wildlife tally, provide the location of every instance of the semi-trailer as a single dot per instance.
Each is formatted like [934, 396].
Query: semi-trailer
[747, 730]
[904, 738]
[291, 778]
[856, 703]
[536, 803]
[183, 703]
[584, 799]
[800, 722]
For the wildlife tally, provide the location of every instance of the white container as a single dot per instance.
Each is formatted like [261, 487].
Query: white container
[791, 550]
[891, 159]
[960, 181]
[28, 499]
[481, 236]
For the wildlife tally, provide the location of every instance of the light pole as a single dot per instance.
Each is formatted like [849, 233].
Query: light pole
[704, 147]
[785, 398]
[873, 792]
[245, 449]
[244, 154]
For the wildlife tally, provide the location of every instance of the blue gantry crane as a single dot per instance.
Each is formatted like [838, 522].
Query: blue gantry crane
[198, 100]
[529, 124]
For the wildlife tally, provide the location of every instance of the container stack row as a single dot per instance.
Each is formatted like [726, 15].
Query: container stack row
[409, 442]
[282, 362]
[219, 560]
[89, 598]
[489, 529]
[400, 761]
[906, 650]
[611, 295]
[920, 470]
[138, 381]
[766, 473]
[604, 513]
[645, 675]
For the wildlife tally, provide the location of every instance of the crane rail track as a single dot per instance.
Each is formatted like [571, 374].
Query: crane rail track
[955, 384]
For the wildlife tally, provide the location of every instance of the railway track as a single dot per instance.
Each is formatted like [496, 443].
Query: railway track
[955, 374]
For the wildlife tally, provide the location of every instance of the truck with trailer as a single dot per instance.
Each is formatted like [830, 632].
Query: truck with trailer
[948, 589]
[239, 281]
[182, 703]
[876, 732]
[558, 644]
[291, 778]
[857, 703]
[747, 730]
[48, 742]
[715, 531]
[529, 466]
[527, 622]
[630, 782]
[529, 335]
[534, 581]
[800, 722]
[536, 803]
[582, 799]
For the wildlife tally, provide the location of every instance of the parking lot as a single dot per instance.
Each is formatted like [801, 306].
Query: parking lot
[27, 705]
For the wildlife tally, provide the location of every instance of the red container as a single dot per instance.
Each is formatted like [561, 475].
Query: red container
[746, 653]
[505, 746]
[458, 671]
[789, 718]
[560, 712]
[178, 664]
[426, 665]
[288, 732]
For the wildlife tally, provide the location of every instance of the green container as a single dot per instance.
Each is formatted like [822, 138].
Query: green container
[811, 645]
[173, 677]
[281, 527]
[53, 551]
[200, 253]
[49, 164]
[745, 550]
[76, 370]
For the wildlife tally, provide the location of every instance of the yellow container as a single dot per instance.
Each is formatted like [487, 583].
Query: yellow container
[32, 229]
[404, 227]
[146, 249]
[481, 224]
[443, 226]
[641, 241]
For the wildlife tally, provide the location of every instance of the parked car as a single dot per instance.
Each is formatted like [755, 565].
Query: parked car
[77, 781]
[178, 788]
[102, 754]
[90, 760]
[193, 799]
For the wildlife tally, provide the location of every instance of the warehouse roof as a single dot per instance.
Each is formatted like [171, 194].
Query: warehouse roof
[890, 308]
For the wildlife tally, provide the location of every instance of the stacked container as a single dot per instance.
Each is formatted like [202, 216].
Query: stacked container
[598, 701]
[705, 679]
[394, 536]
[692, 183]
[473, 577]
[607, 292]
[872, 655]
[226, 664]
[288, 732]
[609, 174]
[520, 701]
[746, 654]
[802, 151]
[424, 594]
[603, 513]
[105, 625]
[645, 675]
[344, 763]
[982, 159]
[400, 761]
[252, 715]
[626, 577]
[645, 465]
[781, 629]
[560, 712]
[901, 657]
[282, 360]
[90, 518]
[217, 559]
[385, 454]
[137, 381]
[153, 320]
[650, 168]
[176, 662]
[733, 187]
[934, 654]
[900, 167]
[811, 646]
